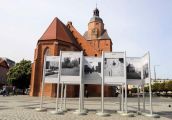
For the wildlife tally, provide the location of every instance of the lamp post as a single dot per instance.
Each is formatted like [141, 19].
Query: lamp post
[155, 71]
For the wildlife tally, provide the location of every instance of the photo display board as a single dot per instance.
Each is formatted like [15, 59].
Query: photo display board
[71, 63]
[114, 67]
[92, 70]
[145, 64]
[138, 70]
[134, 68]
[51, 69]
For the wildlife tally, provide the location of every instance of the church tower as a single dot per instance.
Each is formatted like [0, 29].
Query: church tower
[59, 36]
[96, 35]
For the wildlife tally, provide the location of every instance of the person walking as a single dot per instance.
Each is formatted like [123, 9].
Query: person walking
[4, 90]
[14, 90]
[86, 93]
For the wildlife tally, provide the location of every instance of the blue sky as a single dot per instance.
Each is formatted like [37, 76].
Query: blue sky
[135, 26]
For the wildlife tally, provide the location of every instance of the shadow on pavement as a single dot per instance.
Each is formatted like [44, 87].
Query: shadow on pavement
[167, 114]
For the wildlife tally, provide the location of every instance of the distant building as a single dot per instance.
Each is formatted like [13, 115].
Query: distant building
[66, 38]
[152, 82]
[5, 65]
[10, 63]
[160, 80]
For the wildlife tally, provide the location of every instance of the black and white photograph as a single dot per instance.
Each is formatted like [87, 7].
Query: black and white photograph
[70, 66]
[114, 67]
[134, 68]
[145, 62]
[52, 68]
[145, 71]
[92, 68]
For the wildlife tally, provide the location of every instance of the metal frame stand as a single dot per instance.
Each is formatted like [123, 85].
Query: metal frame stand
[57, 110]
[81, 110]
[41, 109]
[126, 105]
[138, 96]
[121, 100]
[102, 112]
[64, 100]
[150, 96]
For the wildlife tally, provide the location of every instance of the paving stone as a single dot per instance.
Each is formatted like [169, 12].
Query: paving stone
[23, 108]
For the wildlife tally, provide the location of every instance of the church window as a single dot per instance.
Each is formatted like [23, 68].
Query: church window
[94, 31]
[47, 51]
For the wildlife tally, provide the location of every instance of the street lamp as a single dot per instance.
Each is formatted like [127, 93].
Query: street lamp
[155, 71]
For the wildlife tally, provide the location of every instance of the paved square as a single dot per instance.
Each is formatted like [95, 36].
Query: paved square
[22, 108]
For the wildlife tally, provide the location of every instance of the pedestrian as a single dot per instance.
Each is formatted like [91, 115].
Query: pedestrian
[86, 93]
[14, 90]
[4, 90]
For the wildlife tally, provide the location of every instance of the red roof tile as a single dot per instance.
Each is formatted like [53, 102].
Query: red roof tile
[58, 31]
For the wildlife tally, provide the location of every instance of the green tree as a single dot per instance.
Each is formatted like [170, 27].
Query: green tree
[20, 74]
[134, 90]
[169, 86]
[155, 87]
[161, 87]
[146, 89]
[165, 87]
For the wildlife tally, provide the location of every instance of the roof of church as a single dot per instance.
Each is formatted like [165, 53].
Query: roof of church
[104, 35]
[58, 31]
[96, 16]
[85, 46]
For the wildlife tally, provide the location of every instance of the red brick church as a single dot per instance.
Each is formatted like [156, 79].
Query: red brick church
[59, 36]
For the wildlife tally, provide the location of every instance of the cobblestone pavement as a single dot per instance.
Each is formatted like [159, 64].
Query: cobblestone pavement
[23, 108]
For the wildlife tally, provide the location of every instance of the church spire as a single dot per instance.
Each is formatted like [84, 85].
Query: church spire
[96, 12]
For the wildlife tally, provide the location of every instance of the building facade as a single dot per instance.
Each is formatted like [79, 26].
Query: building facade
[66, 38]
[5, 65]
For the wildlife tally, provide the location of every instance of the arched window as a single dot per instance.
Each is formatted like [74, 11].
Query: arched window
[47, 51]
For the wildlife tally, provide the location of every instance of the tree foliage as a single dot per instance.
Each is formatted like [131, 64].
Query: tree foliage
[155, 87]
[20, 74]
[134, 90]
[146, 89]
[165, 86]
[161, 87]
[169, 86]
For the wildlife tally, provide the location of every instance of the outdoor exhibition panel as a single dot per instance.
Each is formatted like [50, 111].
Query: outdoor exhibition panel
[71, 67]
[51, 68]
[114, 68]
[134, 70]
[145, 62]
[51, 73]
[92, 70]
[138, 70]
